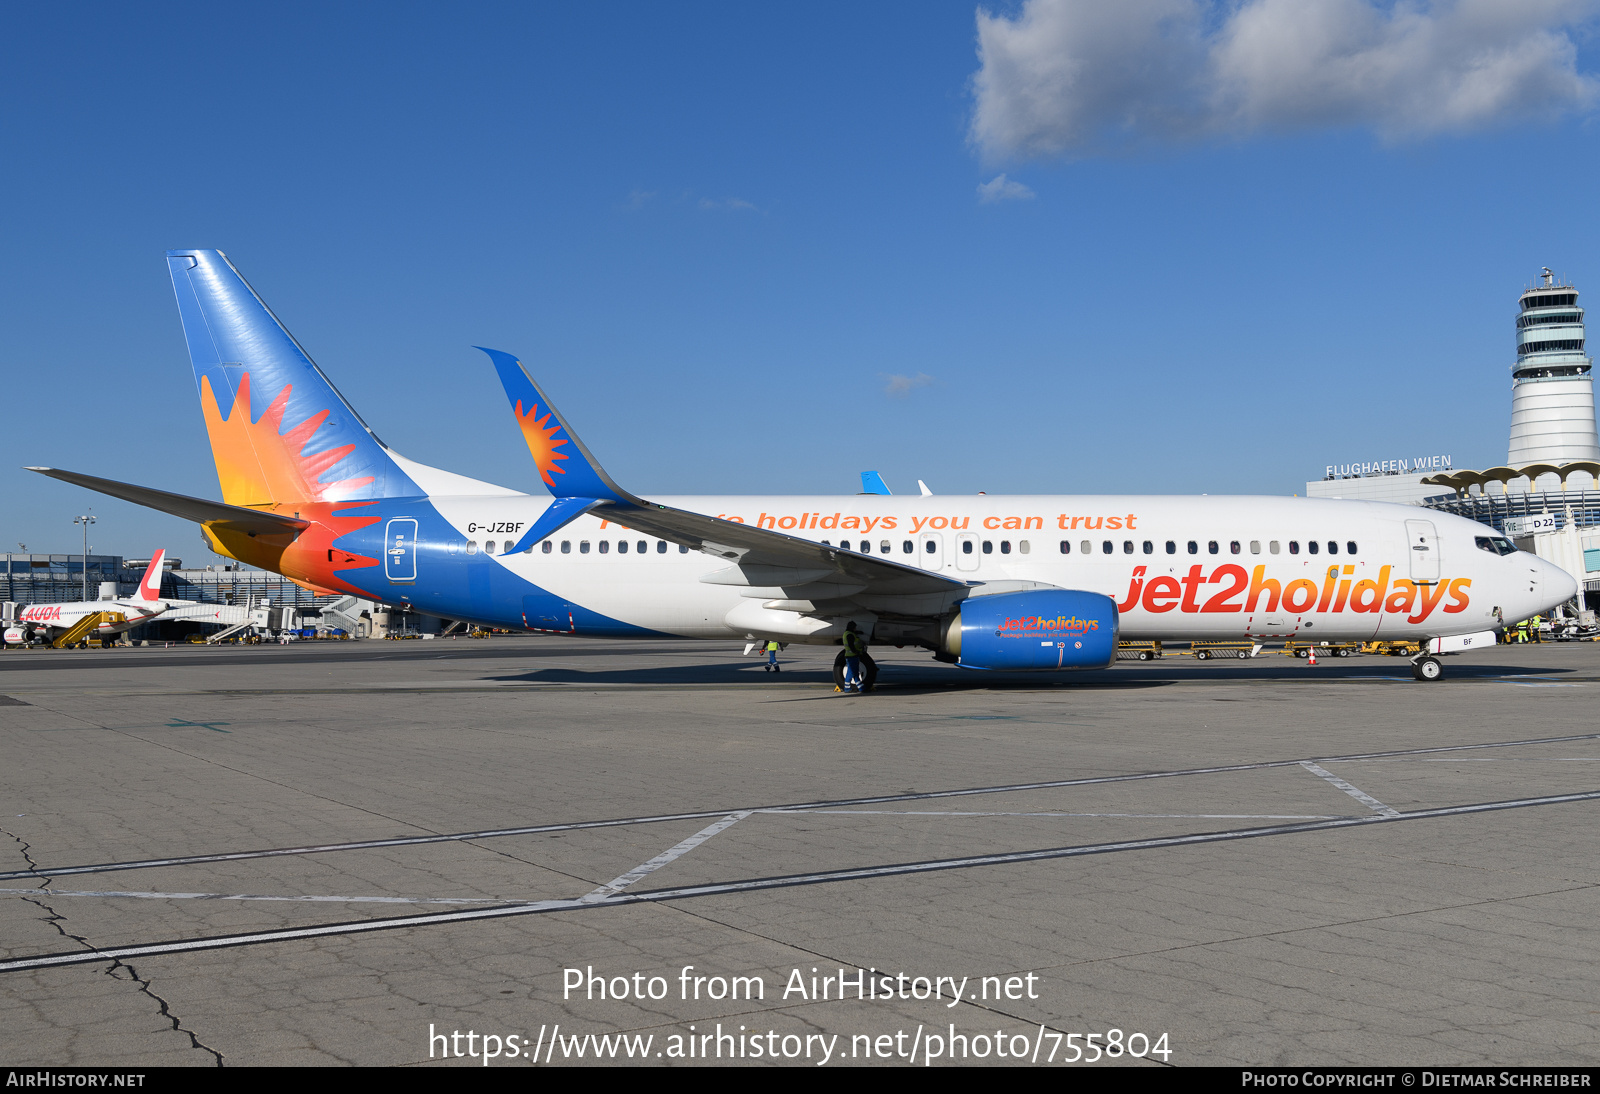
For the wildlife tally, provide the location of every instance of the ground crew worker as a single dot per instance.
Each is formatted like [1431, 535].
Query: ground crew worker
[772, 656]
[1533, 629]
[853, 647]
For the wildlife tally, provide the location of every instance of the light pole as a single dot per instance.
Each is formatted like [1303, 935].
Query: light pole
[85, 521]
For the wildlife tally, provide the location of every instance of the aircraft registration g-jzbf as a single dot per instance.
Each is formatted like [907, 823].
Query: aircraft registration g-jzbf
[986, 582]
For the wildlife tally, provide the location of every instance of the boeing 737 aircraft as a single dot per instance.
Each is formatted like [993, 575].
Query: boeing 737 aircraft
[985, 582]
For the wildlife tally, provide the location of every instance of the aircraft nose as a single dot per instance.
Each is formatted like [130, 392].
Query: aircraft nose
[1559, 586]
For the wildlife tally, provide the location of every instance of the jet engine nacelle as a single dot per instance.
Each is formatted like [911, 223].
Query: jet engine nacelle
[1039, 630]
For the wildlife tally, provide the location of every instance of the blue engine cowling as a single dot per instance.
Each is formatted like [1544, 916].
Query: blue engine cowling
[1040, 631]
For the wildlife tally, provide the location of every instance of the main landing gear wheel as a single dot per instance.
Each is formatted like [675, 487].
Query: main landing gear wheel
[1428, 669]
[869, 672]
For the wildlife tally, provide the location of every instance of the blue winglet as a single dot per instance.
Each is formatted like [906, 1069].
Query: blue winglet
[872, 483]
[565, 465]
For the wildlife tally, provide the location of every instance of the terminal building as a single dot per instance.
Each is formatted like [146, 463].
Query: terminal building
[51, 579]
[1547, 494]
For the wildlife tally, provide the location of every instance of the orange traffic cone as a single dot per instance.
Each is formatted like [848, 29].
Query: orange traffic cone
[1311, 656]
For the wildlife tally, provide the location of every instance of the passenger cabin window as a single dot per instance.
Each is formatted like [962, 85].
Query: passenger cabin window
[966, 546]
[1211, 546]
[1086, 547]
[906, 547]
[1022, 546]
[931, 546]
[1233, 547]
[683, 548]
[1333, 546]
[1311, 546]
[988, 546]
[661, 546]
[622, 547]
[883, 548]
[1066, 546]
[1273, 546]
[1005, 546]
[1294, 547]
[1194, 548]
[1172, 546]
[1350, 548]
[488, 548]
[547, 546]
[583, 546]
[1127, 546]
[566, 546]
[1149, 548]
[472, 546]
[605, 545]
[866, 547]
[1105, 547]
[1255, 546]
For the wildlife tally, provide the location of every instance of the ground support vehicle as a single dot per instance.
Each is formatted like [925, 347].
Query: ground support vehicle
[1324, 649]
[1139, 651]
[1205, 651]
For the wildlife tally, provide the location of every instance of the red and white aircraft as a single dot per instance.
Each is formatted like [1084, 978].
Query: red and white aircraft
[43, 622]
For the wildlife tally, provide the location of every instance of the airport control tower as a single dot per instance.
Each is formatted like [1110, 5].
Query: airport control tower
[1552, 389]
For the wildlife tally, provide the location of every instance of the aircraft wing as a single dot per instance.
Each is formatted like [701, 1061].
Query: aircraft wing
[234, 517]
[768, 558]
[757, 556]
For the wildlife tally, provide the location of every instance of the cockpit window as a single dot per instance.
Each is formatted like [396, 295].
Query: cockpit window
[1495, 545]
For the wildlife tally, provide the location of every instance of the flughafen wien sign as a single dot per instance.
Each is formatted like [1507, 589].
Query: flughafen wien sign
[1418, 466]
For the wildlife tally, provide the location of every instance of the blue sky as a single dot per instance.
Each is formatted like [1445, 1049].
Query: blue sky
[718, 233]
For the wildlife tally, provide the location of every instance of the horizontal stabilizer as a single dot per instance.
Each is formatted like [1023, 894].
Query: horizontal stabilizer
[247, 521]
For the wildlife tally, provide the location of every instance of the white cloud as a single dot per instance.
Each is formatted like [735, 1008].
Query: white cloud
[1079, 76]
[1001, 188]
[898, 387]
[738, 204]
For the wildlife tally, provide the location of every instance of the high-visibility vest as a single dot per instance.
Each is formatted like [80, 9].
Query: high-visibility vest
[852, 644]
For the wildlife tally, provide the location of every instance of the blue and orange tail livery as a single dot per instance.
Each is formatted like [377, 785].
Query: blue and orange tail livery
[565, 465]
[280, 432]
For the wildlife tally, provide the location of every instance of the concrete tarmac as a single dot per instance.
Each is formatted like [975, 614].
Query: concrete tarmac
[324, 853]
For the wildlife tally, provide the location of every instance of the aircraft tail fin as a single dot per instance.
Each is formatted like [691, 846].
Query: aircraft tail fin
[281, 433]
[150, 583]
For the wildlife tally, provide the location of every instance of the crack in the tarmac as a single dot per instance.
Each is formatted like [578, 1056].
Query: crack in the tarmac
[56, 919]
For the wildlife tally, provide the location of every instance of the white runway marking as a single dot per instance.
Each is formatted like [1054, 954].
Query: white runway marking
[215, 942]
[1364, 798]
[676, 851]
[453, 837]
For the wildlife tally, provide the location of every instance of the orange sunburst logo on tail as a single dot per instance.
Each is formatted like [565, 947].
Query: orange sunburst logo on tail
[542, 442]
[260, 466]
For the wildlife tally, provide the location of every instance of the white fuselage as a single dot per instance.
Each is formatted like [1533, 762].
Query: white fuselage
[1179, 568]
